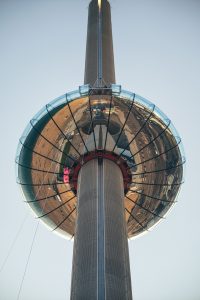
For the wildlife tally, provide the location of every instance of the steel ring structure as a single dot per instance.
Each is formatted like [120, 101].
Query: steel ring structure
[111, 123]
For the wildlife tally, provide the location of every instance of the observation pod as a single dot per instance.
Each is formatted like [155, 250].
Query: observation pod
[112, 124]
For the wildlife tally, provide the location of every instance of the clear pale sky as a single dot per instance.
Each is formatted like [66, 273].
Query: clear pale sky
[157, 55]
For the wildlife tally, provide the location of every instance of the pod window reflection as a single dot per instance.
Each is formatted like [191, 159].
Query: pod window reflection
[110, 123]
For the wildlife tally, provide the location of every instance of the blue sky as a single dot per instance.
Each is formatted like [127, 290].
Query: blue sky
[42, 53]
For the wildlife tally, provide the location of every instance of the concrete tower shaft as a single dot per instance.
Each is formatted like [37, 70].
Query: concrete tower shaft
[101, 259]
[99, 63]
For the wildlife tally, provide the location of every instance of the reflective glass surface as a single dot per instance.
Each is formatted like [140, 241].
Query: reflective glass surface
[118, 121]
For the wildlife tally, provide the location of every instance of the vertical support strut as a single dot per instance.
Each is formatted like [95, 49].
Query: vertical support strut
[101, 260]
[100, 44]
[100, 234]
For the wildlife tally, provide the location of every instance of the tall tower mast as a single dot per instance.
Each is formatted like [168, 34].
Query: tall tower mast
[99, 62]
[101, 259]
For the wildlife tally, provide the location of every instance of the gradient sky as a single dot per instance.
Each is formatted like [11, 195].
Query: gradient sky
[157, 55]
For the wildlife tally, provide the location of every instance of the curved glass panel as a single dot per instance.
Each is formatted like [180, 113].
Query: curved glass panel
[40, 114]
[143, 102]
[58, 101]
[116, 89]
[73, 95]
[27, 130]
[127, 95]
[84, 89]
[160, 115]
[177, 136]
[19, 147]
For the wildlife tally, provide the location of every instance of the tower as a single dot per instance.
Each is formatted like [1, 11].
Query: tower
[101, 165]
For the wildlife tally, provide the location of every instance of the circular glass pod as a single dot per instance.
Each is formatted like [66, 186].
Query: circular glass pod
[109, 123]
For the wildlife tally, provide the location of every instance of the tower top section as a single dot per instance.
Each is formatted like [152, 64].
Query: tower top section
[99, 62]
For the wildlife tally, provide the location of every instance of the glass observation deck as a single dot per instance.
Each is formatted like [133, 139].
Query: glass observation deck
[116, 124]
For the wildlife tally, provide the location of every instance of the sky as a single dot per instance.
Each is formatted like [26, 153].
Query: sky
[42, 53]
